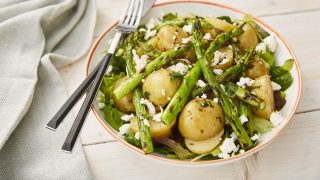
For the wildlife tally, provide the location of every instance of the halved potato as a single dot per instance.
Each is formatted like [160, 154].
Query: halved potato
[248, 39]
[169, 36]
[201, 119]
[219, 24]
[204, 146]
[229, 56]
[263, 89]
[257, 68]
[157, 129]
[158, 87]
[125, 103]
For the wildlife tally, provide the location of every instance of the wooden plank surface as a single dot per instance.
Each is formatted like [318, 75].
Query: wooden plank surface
[292, 156]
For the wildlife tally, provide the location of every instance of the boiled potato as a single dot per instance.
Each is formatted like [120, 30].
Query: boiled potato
[248, 39]
[153, 42]
[229, 56]
[158, 87]
[201, 119]
[204, 146]
[219, 24]
[257, 67]
[169, 36]
[157, 129]
[263, 89]
[190, 55]
[125, 103]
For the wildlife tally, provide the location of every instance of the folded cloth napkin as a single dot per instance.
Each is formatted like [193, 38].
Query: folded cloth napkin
[36, 37]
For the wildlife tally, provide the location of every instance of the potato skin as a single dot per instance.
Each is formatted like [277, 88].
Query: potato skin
[248, 39]
[157, 129]
[229, 55]
[166, 36]
[125, 103]
[155, 83]
[257, 68]
[263, 89]
[199, 121]
[219, 24]
[204, 146]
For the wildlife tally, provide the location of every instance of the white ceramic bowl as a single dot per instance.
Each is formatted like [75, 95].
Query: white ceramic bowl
[202, 9]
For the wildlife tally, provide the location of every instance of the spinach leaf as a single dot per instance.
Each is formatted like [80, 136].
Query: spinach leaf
[226, 18]
[130, 138]
[169, 17]
[175, 76]
[288, 64]
[268, 57]
[281, 75]
[261, 125]
[111, 114]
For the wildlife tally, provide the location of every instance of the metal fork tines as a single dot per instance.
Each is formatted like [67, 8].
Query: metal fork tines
[129, 21]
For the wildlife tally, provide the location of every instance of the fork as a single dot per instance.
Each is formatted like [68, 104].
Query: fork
[128, 23]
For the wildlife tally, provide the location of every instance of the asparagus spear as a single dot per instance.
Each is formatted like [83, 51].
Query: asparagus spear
[244, 95]
[220, 40]
[227, 106]
[141, 113]
[181, 96]
[136, 78]
[245, 110]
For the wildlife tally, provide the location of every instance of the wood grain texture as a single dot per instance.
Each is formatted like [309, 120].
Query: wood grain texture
[292, 156]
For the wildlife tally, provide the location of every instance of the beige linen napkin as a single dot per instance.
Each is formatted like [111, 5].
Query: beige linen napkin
[36, 37]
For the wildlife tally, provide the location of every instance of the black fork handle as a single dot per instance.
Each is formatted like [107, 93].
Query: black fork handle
[56, 120]
[78, 123]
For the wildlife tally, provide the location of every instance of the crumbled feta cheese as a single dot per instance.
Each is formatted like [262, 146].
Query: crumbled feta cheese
[245, 81]
[217, 71]
[207, 36]
[157, 117]
[142, 80]
[255, 137]
[276, 118]
[137, 135]
[243, 119]
[142, 30]
[150, 106]
[146, 122]
[149, 34]
[109, 70]
[233, 136]
[224, 61]
[176, 48]
[197, 97]
[271, 43]
[217, 57]
[152, 23]
[127, 117]
[190, 66]
[235, 39]
[228, 146]
[275, 86]
[215, 100]
[186, 40]
[180, 68]
[261, 47]
[201, 83]
[204, 96]
[101, 105]
[222, 87]
[124, 129]
[187, 28]
[163, 92]
[253, 93]
[242, 151]
[230, 46]
[141, 62]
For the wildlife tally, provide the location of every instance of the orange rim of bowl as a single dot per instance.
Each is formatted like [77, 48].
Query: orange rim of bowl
[239, 156]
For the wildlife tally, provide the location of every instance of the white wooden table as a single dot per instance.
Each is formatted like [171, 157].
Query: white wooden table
[294, 155]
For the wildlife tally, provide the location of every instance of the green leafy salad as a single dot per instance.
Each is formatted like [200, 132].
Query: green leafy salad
[195, 88]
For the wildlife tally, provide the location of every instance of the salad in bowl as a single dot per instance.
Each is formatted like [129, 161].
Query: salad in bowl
[196, 88]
